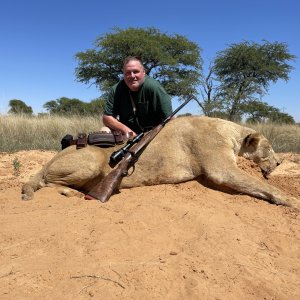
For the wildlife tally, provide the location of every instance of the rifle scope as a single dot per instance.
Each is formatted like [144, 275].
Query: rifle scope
[117, 156]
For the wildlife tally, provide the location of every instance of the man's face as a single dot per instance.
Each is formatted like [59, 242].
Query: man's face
[134, 75]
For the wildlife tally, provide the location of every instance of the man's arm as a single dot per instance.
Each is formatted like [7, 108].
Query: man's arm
[115, 124]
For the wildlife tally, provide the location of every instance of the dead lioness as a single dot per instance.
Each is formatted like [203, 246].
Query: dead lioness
[185, 149]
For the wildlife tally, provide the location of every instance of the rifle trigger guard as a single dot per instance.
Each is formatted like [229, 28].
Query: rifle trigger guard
[129, 174]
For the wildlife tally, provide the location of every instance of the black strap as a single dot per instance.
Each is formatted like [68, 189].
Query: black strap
[135, 115]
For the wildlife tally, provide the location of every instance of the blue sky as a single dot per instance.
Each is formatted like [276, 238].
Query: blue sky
[39, 39]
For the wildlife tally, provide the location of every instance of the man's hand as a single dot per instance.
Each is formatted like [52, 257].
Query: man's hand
[115, 124]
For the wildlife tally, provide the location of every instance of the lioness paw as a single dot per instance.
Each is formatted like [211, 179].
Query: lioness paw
[68, 192]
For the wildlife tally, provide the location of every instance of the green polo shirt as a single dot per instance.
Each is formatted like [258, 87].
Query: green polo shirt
[152, 102]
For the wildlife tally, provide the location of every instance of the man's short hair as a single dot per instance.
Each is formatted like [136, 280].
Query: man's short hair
[130, 58]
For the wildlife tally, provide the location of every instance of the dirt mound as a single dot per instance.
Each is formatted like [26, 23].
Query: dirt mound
[183, 241]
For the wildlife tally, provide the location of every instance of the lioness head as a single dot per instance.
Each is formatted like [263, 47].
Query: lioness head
[257, 148]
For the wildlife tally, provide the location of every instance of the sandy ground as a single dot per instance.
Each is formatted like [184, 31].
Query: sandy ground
[183, 241]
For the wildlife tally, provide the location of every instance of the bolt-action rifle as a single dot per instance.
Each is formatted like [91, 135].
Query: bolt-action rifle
[126, 157]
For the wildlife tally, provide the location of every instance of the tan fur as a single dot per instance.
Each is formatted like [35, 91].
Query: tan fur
[185, 149]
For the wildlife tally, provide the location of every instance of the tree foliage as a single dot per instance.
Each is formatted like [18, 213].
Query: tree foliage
[258, 111]
[67, 106]
[171, 59]
[245, 71]
[19, 107]
[276, 116]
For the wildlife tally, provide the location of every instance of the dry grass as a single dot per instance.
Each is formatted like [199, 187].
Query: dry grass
[19, 132]
[284, 138]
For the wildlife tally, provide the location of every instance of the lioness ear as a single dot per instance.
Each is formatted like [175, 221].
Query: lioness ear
[252, 139]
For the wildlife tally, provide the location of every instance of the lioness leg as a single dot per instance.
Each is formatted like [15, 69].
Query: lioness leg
[236, 179]
[68, 192]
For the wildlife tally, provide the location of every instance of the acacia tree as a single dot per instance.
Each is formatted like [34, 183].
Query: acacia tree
[211, 103]
[19, 107]
[171, 59]
[258, 111]
[67, 106]
[276, 116]
[245, 71]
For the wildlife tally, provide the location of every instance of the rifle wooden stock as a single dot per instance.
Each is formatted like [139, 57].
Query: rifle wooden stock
[110, 183]
[105, 188]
